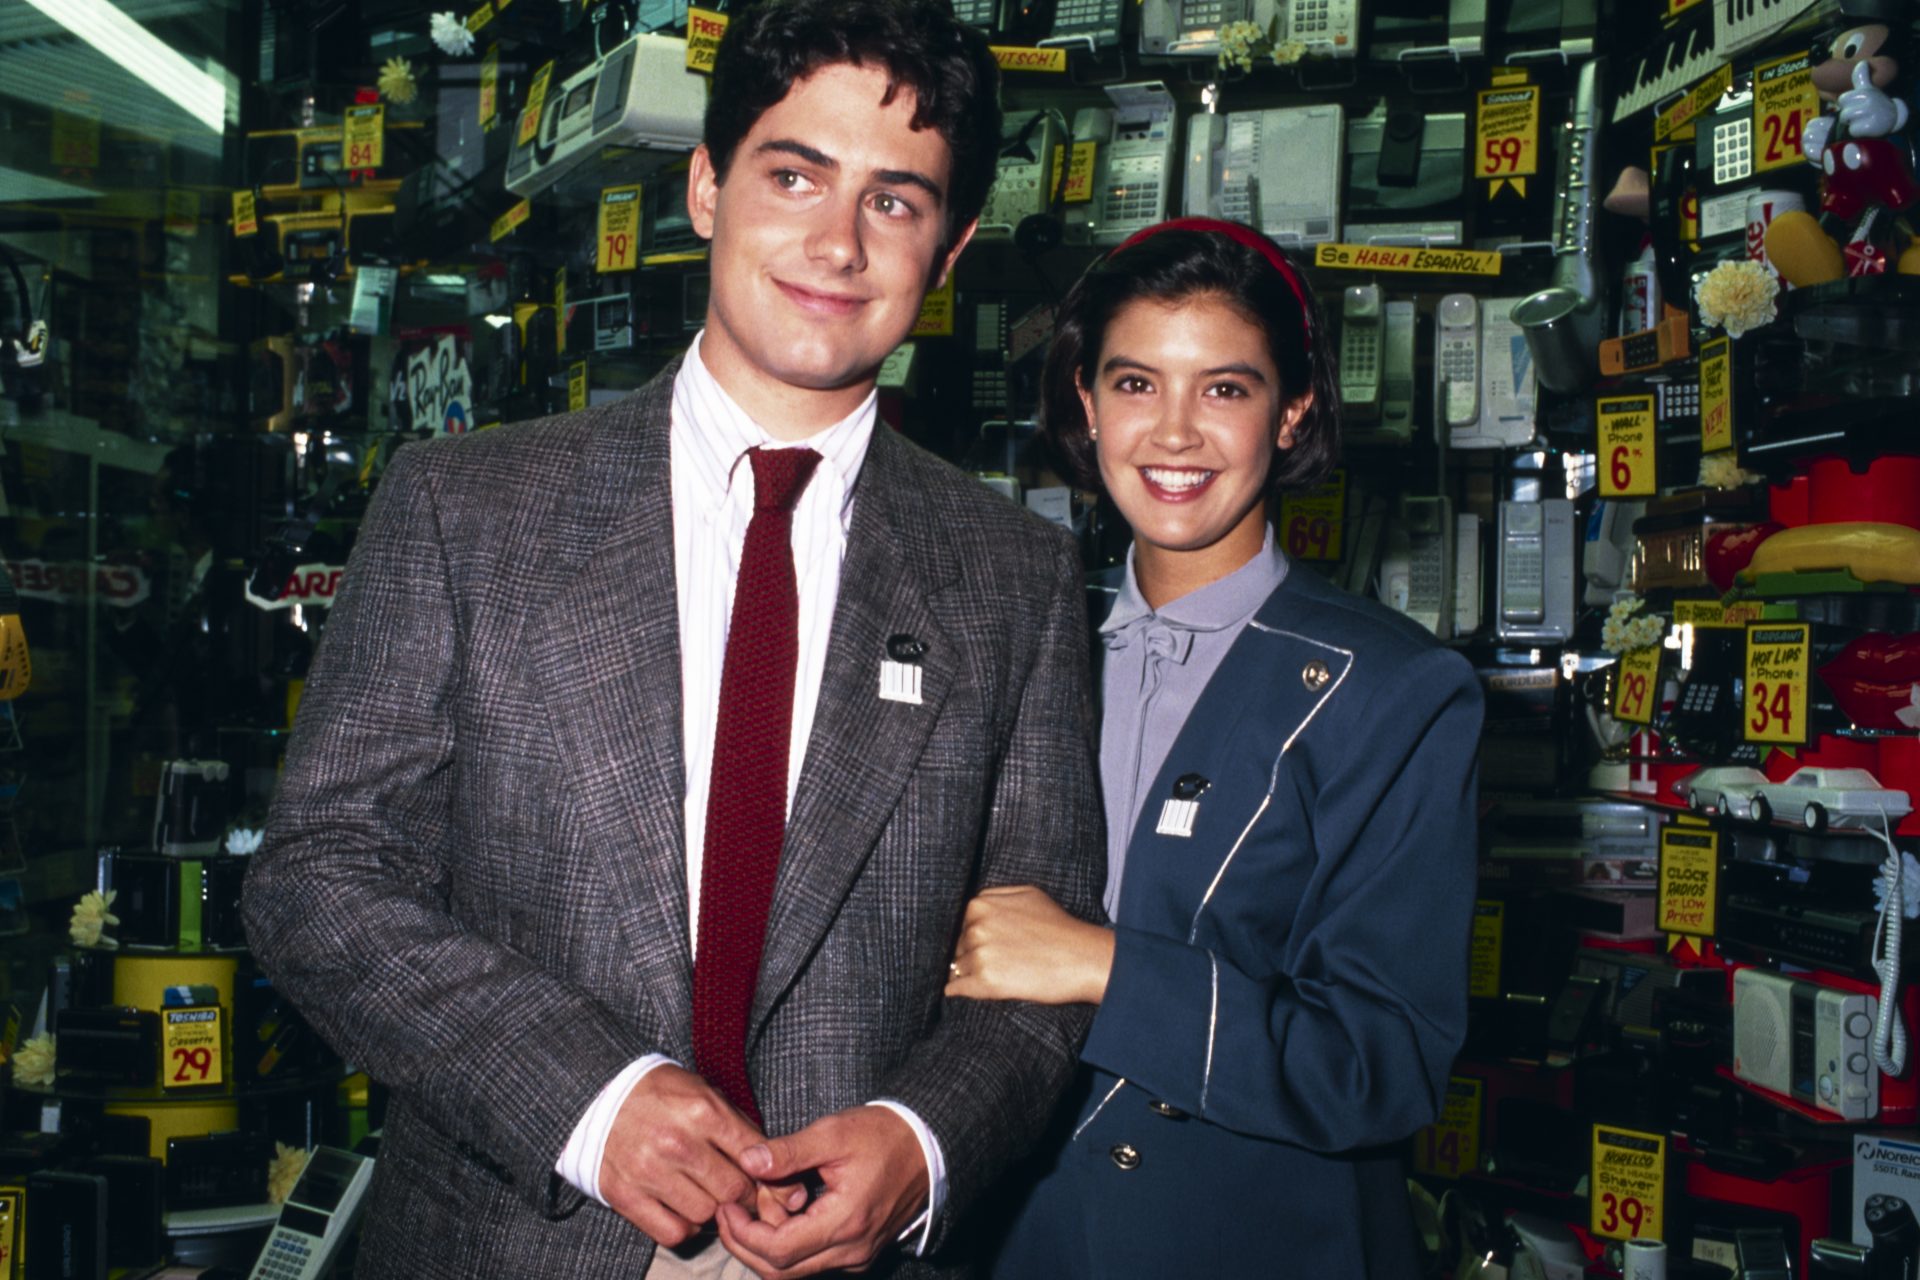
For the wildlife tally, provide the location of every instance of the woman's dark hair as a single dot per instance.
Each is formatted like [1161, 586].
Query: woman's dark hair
[1173, 266]
[918, 43]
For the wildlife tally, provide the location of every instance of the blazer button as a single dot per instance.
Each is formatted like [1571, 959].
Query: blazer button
[1166, 1109]
[1315, 676]
[1126, 1156]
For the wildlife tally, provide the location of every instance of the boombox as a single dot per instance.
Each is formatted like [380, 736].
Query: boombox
[639, 95]
[1806, 1041]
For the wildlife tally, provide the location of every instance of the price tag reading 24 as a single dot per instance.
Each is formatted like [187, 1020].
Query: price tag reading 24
[1784, 100]
[1507, 137]
[619, 238]
[1626, 446]
[190, 1048]
[1635, 681]
[1310, 522]
[1629, 1184]
[1775, 707]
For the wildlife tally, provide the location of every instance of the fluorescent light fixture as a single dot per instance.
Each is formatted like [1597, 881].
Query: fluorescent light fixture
[17, 185]
[144, 55]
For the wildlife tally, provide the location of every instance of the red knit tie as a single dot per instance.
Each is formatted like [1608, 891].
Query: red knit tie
[747, 803]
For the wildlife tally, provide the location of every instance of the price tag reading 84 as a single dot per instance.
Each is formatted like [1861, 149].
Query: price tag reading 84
[1626, 446]
[1636, 684]
[190, 1048]
[1310, 522]
[1451, 1146]
[1775, 709]
[366, 136]
[619, 236]
[1628, 1184]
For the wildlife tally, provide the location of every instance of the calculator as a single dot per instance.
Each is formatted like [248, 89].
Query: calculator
[317, 1218]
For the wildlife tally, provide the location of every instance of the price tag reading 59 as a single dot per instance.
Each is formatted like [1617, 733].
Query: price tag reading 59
[1629, 1184]
[1507, 135]
[190, 1048]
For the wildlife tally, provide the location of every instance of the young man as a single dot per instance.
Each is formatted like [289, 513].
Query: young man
[654, 750]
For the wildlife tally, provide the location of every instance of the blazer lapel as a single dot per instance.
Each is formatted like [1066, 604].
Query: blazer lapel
[862, 748]
[606, 650]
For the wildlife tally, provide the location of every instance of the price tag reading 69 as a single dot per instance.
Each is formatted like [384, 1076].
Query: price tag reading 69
[190, 1048]
[1628, 1184]
[1310, 522]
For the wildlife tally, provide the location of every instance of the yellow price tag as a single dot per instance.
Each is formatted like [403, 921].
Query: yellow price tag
[246, 214]
[536, 103]
[365, 142]
[1628, 1185]
[704, 29]
[1776, 682]
[1716, 394]
[1784, 100]
[1377, 257]
[936, 314]
[1506, 146]
[1689, 879]
[1483, 963]
[1076, 169]
[479, 18]
[560, 311]
[577, 385]
[618, 238]
[76, 138]
[1702, 614]
[190, 1048]
[1310, 522]
[1451, 1145]
[1701, 99]
[1023, 58]
[1636, 685]
[1626, 446]
[1504, 77]
[490, 87]
[504, 224]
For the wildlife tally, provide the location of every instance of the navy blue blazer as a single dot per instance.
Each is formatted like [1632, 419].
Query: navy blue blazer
[1289, 983]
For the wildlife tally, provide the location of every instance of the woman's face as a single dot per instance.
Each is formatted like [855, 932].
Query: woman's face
[1186, 406]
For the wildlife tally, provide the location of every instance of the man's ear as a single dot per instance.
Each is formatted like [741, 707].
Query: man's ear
[703, 191]
[953, 255]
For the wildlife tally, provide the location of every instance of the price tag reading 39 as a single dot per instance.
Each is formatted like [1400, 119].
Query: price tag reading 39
[1784, 100]
[1626, 446]
[1629, 1184]
[1451, 1146]
[1775, 707]
[1506, 147]
[1310, 522]
[365, 138]
[619, 236]
[1636, 685]
[190, 1048]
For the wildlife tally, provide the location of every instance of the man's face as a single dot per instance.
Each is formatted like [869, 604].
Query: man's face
[826, 235]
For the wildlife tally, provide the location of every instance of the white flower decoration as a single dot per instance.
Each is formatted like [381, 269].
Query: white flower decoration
[1288, 52]
[1623, 632]
[1239, 41]
[244, 840]
[33, 1062]
[283, 1172]
[451, 35]
[1737, 296]
[91, 916]
[1721, 470]
[396, 80]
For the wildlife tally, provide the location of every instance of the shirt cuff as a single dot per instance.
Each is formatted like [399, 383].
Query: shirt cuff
[579, 1163]
[922, 1226]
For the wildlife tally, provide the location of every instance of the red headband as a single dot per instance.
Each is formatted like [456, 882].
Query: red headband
[1242, 235]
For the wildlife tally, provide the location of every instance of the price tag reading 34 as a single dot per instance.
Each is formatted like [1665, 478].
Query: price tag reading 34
[190, 1048]
[1784, 100]
[619, 237]
[1629, 1184]
[1775, 708]
[1507, 138]
[366, 136]
[1310, 522]
[1626, 446]
[1636, 683]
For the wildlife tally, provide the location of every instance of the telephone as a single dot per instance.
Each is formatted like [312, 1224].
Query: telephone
[317, 1217]
[1360, 352]
[1706, 716]
[1507, 392]
[1723, 144]
[984, 14]
[1417, 567]
[1405, 176]
[989, 385]
[1329, 28]
[1093, 23]
[1396, 379]
[1279, 170]
[1536, 571]
[1418, 36]
[1456, 360]
[1192, 27]
[1466, 575]
[1606, 560]
[1024, 185]
[1137, 162]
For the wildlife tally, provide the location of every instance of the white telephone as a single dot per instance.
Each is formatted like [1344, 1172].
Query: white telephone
[1395, 423]
[1329, 28]
[1360, 354]
[1279, 170]
[1023, 185]
[1536, 571]
[1137, 162]
[1456, 359]
[1416, 571]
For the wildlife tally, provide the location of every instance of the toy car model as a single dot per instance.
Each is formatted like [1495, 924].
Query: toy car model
[1829, 797]
[1725, 789]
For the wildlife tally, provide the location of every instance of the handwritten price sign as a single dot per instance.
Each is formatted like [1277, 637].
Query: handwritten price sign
[704, 29]
[190, 1048]
[1078, 170]
[365, 138]
[1507, 136]
[1716, 395]
[1689, 879]
[1636, 682]
[1784, 100]
[1310, 522]
[1776, 702]
[1451, 1146]
[1626, 446]
[1629, 1184]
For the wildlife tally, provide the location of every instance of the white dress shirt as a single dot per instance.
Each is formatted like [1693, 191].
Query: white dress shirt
[712, 488]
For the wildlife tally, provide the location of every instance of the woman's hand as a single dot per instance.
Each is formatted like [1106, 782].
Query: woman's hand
[1017, 944]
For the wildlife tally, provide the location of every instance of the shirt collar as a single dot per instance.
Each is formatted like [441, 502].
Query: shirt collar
[714, 434]
[1214, 607]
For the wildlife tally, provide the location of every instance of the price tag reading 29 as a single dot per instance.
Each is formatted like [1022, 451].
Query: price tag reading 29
[1310, 522]
[1629, 1184]
[190, 1048]
[1635, 682]
[1775, 707]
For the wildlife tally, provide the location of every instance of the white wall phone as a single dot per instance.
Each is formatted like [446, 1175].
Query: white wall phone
[1023, 185]
[1329, 28]
[1417, 566]
[1137, 162]
[1394, 424]
[1536, 570]
[1279, 170]
[1456, 360]
[1192, 27]
[1360, 351]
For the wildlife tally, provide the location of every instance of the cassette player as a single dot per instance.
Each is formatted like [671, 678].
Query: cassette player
[640, 95]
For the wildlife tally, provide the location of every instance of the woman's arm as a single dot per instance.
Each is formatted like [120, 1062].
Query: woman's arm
[1017, 944]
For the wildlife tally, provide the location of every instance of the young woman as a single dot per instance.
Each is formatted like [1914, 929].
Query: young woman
[1288, 774]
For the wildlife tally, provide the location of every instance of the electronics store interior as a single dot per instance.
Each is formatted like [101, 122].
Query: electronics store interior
[1625, 379]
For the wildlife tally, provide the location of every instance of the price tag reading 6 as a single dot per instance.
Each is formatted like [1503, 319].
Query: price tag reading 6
[1775, 709]
[1626, 446]
[1628, 1186]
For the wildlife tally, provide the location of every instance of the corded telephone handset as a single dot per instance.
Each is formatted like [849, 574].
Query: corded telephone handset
[1397, 339]
[1024, 184]
[1360, 351]
[1278, 170]
[1456, 360]
[1536, 571]
[1417, 568]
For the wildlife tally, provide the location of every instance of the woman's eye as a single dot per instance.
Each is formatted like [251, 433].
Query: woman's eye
[1131, 385]
[1227, 390]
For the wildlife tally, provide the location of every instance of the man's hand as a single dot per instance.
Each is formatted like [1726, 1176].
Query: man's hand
[1018, 944]
[873, 1180]
[674, 1156]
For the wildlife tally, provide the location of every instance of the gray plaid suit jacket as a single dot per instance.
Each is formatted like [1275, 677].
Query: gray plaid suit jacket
[474, 884]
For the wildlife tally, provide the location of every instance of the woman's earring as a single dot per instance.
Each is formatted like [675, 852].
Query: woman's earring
[1093, 433]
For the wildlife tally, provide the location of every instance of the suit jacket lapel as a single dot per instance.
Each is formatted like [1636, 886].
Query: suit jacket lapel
[606, 650]
[862, 748]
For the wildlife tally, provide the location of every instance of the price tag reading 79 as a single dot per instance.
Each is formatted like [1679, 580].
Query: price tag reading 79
[619, 238]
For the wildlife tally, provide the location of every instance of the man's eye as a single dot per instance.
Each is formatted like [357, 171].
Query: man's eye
[788, 180]
[890, 205]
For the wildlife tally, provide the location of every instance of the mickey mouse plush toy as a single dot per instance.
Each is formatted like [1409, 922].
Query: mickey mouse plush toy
[1866, 161]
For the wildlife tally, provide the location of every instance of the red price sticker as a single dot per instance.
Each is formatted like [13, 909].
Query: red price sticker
[1310, 523]
[1628, 1186]
[536, 103]
[619, 232]
[1689, 879]
[190, 1048]
[365, 141]
[1775, 709]
[1626, 446]
[1636, 685]
[1784, 101]
[1506, 145]
[1716, 395]
[1451, 1146]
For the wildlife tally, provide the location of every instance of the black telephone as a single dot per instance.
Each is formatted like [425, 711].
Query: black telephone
[1705, 720]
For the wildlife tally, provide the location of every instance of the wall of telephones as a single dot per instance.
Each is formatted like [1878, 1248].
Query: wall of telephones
[1624, 330]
